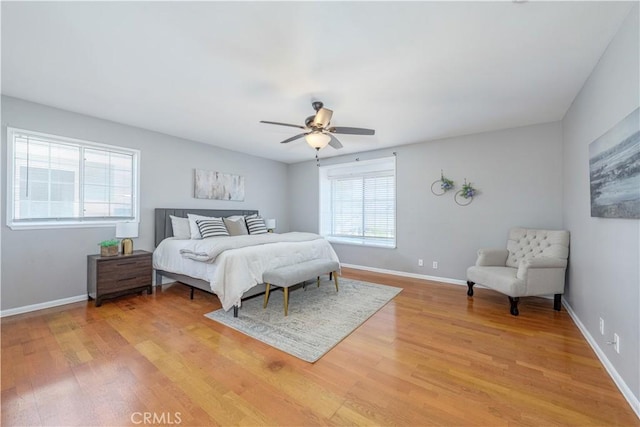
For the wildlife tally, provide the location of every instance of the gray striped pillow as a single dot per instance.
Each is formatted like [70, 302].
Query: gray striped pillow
[255, 224]
[212, 227]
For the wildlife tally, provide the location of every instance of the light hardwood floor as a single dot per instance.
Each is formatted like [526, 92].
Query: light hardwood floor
[429, 357]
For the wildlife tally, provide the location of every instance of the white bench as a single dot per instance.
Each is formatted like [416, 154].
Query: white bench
[289, 275]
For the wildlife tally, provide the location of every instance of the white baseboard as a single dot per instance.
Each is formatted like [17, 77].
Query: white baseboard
[617, 379]
[42, 305]
[405, 274]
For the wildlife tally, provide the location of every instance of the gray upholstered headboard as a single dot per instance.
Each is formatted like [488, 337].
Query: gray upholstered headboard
[163, 227]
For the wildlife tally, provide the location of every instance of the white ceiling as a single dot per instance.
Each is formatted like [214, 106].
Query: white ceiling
[210, 71]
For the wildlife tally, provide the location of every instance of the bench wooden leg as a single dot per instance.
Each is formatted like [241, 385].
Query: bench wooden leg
[266, 295]
[286, 301]
[335, 280]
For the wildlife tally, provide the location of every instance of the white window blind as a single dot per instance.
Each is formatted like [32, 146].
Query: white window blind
[358, 202]
[57, 181]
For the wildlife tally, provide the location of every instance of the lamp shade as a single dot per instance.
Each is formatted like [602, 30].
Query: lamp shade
[270, 224]
[317, 140]
[126, 229]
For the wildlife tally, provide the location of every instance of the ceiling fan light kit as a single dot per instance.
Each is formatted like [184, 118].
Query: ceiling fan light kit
[317, 140]
[319, 134]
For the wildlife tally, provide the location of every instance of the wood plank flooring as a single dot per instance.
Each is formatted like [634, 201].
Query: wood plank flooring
[429, 357]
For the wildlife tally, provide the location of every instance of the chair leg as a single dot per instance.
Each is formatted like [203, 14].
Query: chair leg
[557, 302]
[318, 281]
[514, 305]
[335, 279]
[266, 295]
[470, 285]
[286, 301]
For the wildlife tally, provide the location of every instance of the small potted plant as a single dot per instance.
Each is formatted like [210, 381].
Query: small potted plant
[109, 247]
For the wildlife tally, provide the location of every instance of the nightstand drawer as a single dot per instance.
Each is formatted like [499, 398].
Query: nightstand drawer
[124, 283]
[109, 273]
[123, 265]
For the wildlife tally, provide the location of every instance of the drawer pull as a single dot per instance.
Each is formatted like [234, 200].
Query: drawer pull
[125, 263]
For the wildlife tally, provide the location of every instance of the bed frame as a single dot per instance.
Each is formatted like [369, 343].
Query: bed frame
[163, 229]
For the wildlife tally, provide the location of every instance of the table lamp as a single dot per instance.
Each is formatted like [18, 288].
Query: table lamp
[126, 231]
[270, 224]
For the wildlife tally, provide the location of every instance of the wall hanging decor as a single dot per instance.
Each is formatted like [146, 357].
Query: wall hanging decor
[465, 195]
[614, 170]
[442, 185]
[218, 186]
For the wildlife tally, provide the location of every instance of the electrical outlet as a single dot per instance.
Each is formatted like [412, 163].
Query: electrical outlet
[420, 262]
[601, 326]
[616, 343]
[435, 265]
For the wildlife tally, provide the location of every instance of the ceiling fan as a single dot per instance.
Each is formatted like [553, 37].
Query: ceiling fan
[317, 133]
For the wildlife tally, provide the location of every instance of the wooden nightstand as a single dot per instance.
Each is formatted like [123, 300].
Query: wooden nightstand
[110, 277]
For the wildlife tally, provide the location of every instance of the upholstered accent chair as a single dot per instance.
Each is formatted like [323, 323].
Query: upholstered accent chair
[533, 264]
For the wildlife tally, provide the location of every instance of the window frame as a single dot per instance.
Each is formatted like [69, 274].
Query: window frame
[325, 196]
[53, 223]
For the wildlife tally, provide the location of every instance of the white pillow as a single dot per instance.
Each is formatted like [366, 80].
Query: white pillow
[195, 231]
[180, 227]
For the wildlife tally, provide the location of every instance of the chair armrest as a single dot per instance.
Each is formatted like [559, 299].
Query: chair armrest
[539, 263]
[543, 262]
[492, 257]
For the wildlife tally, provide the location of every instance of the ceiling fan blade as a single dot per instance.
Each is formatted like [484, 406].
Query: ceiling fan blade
[283, 124]
[352, 131]
[334, 142]
[323, 117]
[293, 138]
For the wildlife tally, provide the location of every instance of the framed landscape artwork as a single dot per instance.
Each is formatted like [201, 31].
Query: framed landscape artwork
[614, 170]
[218, 186]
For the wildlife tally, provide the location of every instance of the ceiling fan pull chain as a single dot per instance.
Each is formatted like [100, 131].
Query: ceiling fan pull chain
[317, 158]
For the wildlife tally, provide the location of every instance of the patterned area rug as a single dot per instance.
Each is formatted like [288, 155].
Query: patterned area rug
[319, 317]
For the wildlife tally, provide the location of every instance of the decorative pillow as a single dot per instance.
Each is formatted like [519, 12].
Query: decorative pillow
[255, 224]
[180, 227]
[212, 227]
[236, 225]
[193, 227]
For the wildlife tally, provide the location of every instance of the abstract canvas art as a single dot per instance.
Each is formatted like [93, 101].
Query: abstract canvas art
[614, 170]
[218, 186]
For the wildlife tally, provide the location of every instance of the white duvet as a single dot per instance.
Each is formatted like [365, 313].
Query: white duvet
[235, 271]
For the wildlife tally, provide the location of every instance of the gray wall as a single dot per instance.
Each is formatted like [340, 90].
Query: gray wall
[604, 279]
[46, 265]
[518, 173]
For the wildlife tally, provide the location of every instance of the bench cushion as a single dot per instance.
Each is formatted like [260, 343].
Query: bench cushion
[292, 274]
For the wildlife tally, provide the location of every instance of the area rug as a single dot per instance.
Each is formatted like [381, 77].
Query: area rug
[319, 317]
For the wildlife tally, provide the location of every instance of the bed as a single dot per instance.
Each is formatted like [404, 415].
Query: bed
[235, 273]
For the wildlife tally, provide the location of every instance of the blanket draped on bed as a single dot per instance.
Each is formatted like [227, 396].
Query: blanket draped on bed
[207, 250]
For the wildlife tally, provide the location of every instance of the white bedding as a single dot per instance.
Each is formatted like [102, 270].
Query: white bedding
[235, 271]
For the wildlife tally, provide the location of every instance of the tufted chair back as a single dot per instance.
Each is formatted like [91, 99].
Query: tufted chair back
[526, 243]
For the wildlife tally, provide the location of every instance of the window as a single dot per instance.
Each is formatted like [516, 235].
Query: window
[63, 182]
[358, 202]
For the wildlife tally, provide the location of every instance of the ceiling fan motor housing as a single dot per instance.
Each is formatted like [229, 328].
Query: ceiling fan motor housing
[322, 118]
